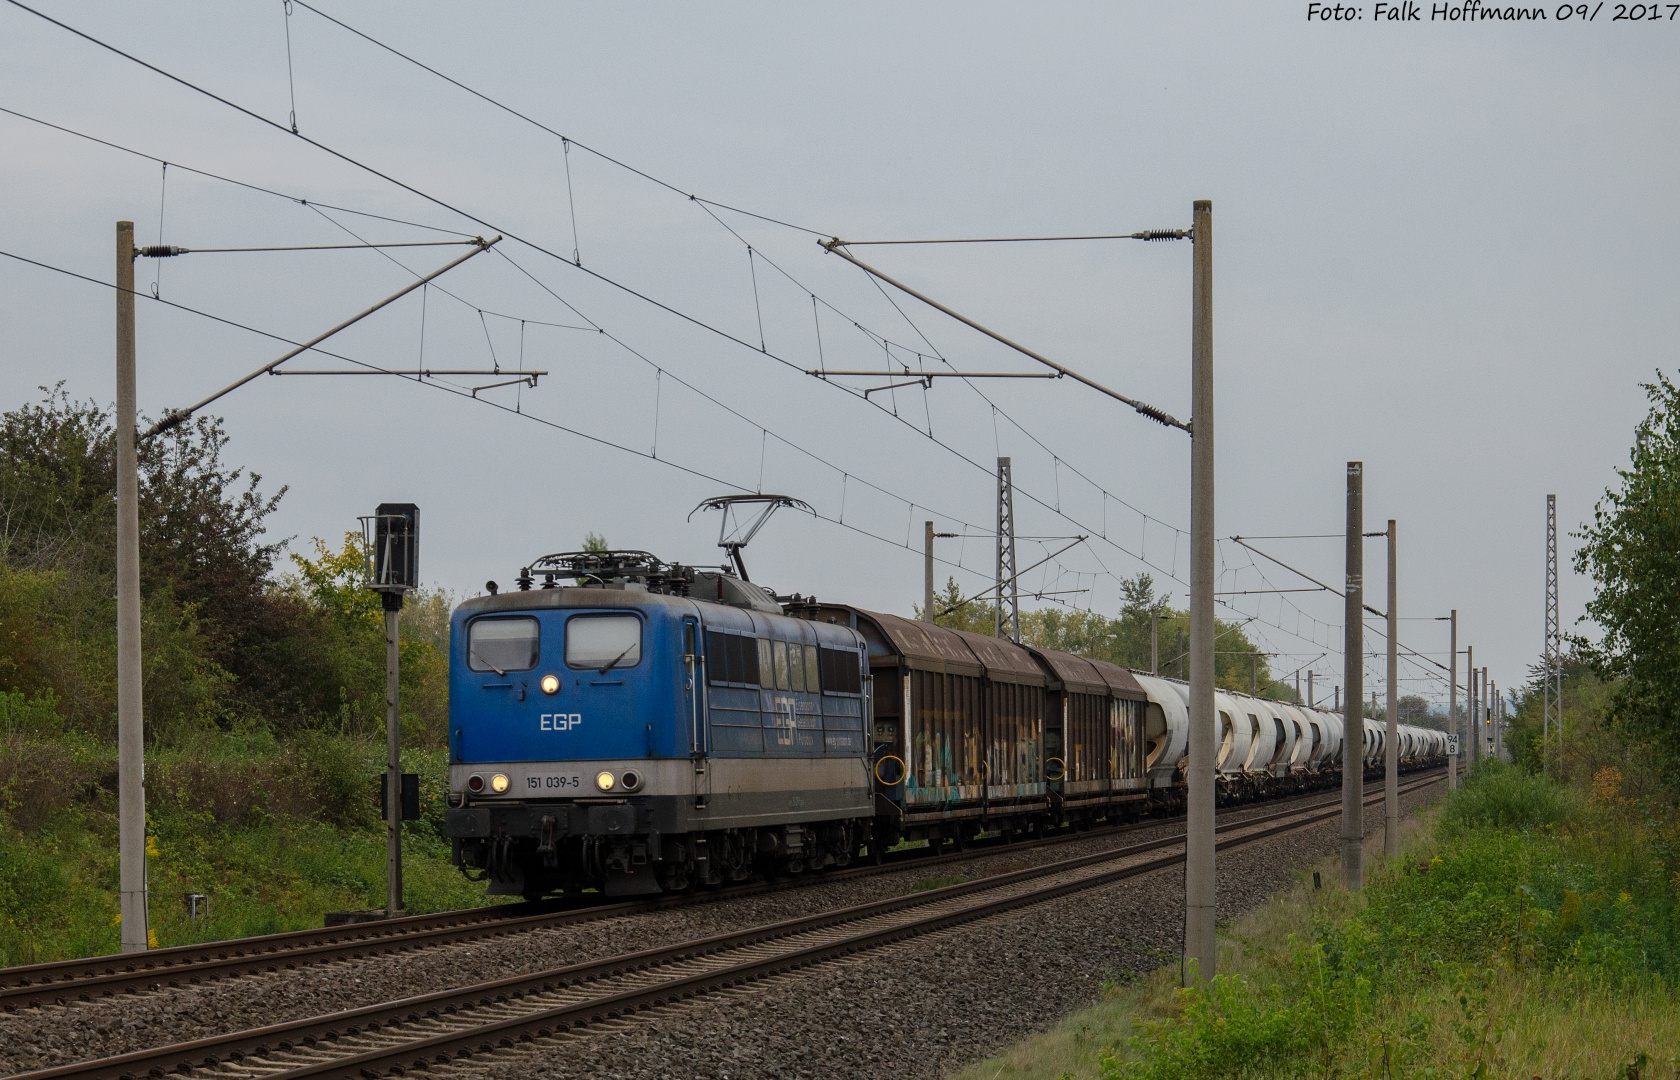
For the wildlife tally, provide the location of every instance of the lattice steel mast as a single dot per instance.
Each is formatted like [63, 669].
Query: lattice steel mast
[1006, 554]
[1552, 718]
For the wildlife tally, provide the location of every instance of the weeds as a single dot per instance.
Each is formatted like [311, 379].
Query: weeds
[1501, 796]
[938, 882]
[1525, 886]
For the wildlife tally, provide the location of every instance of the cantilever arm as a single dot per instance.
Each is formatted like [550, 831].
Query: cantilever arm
[176, 417]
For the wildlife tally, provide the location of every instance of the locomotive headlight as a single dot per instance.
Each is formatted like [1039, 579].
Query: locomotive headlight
[604, 780]
[498, 783]
[550, 684]
[475, 783]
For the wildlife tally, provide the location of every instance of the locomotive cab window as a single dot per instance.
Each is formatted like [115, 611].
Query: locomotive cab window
[603, 642]
[502, 645]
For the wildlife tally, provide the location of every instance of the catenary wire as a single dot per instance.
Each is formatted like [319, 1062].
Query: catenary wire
[662, 372]
[445, 205]
[463, 393]
[544, 127]
[537, 247]
[1141, 557]
[217, 176]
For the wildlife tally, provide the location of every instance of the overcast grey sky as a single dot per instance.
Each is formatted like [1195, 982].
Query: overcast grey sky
[1446, 250]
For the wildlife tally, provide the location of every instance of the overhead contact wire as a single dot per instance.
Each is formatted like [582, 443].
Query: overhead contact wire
[371, 170]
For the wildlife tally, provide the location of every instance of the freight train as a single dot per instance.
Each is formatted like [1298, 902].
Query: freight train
[636, 726]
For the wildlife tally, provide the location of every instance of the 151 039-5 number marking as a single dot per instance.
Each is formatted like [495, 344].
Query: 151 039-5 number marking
[553, 783]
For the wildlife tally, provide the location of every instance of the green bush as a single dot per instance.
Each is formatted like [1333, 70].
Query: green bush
[1502, 796]
[1229, 1029]
[36, 715]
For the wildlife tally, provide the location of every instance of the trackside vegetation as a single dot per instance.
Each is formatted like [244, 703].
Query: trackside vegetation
[1528, 929]
[264, 700]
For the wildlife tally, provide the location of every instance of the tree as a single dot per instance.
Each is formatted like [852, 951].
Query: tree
[338, 666]
[1632, 551]
[1125, 640]
[594, 542]
[976, 615]
[1413, 709]
[223, 644]
[206, 603]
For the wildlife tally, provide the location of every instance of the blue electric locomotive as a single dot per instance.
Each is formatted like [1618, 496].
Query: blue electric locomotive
[651, 727]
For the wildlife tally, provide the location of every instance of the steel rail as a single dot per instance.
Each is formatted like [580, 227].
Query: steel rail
[307, 1036]
[62, 982]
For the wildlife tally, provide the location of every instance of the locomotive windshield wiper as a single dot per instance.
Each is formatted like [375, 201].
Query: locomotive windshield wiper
[614, 661]
[491, 666]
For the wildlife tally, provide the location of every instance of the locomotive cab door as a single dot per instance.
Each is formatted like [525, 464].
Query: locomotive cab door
[695, 698]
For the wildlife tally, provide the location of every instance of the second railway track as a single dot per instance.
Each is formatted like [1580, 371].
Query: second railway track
[435, 1029]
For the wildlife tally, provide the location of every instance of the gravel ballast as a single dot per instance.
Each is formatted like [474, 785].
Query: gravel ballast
[925, 1007]
[1022, 949]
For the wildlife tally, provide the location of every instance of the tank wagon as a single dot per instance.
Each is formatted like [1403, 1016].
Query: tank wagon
[638, 726]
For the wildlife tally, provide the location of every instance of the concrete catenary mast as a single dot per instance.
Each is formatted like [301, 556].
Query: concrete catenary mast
[1353, 677]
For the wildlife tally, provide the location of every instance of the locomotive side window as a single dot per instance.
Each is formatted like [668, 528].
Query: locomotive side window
[749, 660]
[502, 645]
[603, 642]
[813, 681]
[717, 657]
[731, 658]
[767, 663]
[735, 666]
[778, 651]
[840, 673]
[797, 665]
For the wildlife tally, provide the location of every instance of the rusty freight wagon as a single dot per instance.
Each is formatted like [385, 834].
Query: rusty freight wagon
[1093, 738]
[963, 721]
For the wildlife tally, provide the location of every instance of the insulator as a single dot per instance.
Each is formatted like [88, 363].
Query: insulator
[1163, 234]
[159, 251]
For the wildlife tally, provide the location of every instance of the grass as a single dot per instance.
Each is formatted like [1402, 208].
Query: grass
[938, 882]
[1524, 931]
[275, 836]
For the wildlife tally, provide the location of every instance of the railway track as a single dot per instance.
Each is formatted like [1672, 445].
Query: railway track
[435, 1029]
[64, 982]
